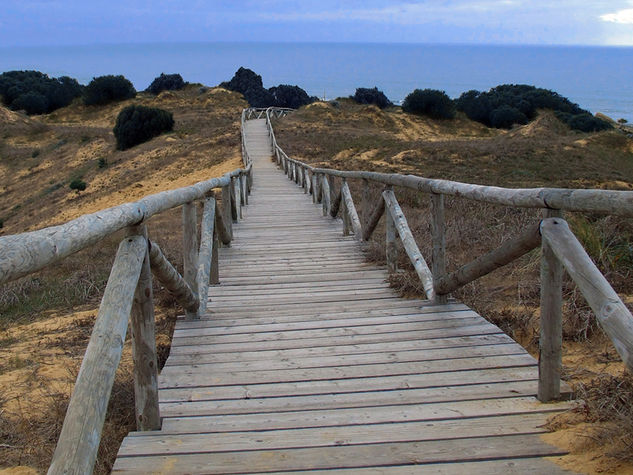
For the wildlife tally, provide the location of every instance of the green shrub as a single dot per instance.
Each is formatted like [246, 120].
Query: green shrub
[138, 124]
[166, 82]
[430, 102]
[584, 122]
[505, 117]
[102, 163]
[374, 96]
[78, 185]
[106, 89]
[35, 92]
[512, 102]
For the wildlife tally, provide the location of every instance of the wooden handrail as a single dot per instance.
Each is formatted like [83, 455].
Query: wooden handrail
[559, 245]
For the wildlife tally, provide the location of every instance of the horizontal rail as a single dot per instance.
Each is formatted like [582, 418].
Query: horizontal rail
[22, 254]
[171, 279]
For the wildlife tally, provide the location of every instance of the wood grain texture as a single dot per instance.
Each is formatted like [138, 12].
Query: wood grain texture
[76, 449]
[171, 279]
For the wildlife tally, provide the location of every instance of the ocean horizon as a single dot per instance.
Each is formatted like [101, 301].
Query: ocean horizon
[599, 79]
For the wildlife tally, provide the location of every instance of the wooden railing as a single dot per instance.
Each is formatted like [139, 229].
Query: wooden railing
[560, 247]
[128, 295]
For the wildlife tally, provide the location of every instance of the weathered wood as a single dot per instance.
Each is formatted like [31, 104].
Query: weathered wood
[144, 346]
[234, 197]
[171, 279]
[214, 277]
[22, 254]
[325, 194]
[226, 214]
[76, 449]
[345, 216]
[373, 219]
[206, 253]
[350, 210]
[336, 204]
[503, 255]
[243, 189]
[391, 248]
[223, 231]
[365, 204]
[409, 244]
[551, 320]
[438, 237]
[613, 316]
[599, 201]
[316, 189]
[190, 249]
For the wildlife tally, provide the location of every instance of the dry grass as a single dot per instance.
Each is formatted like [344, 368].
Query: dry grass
[543, 153]
[46, 318]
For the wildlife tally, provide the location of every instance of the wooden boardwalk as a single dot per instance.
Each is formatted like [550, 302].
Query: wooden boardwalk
[308, 361]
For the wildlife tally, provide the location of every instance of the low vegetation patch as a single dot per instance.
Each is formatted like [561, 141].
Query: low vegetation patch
[138, 124]
[106, 89]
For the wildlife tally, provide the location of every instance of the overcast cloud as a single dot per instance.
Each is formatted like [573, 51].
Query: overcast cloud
[38, 22]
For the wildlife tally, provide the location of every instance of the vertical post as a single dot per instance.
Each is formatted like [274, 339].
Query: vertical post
[243, 187]
[315, 188]
[142, 329]
[190, 249]
[238, 196]
[214, 277]
[438, 234]
[205, 255]
[226, 208]
[366, 204]
[344, 214]
[551, 336]
[391, 250]
[233, 196]
[325, 194]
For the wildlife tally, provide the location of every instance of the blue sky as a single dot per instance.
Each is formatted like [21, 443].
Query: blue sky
[584, 22]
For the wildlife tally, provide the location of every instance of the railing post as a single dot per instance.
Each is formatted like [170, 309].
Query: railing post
[315, 188]
[438, 233]
[325, 194]
[391, 250]
[243, 189]
[366, 204]
[205, 255]
[226, 209]
[344, 211]
[214, 277]
[190, 250]
[551, 334]
[142, 329]
[238, 196]
[233, 199]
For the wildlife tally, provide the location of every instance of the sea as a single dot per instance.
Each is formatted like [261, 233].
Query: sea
[599, 79]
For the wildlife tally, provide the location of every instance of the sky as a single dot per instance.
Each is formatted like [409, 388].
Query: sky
[553, 22]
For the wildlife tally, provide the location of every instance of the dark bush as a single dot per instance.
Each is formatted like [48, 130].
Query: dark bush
[584, 122]
[78, 185]
[430, 102]
[106, 89]
[374, 96]
[43, 94]
[138, 124]
[31, 102]
[505, 117]
[166, 82]
[294, 97]
[524, 99]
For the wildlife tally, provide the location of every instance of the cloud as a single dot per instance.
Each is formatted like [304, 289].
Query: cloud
[621, 16]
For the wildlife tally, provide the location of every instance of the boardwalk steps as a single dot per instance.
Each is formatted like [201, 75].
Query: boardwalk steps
[308, 361]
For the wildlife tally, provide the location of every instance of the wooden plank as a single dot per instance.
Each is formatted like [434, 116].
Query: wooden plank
[139, 443]
[201, 376]
[350, 385]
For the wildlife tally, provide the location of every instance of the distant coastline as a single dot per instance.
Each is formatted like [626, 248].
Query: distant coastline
[597, 78]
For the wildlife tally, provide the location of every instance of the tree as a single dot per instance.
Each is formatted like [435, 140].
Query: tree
[374, 96]
[138, 124]
[166, 82]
